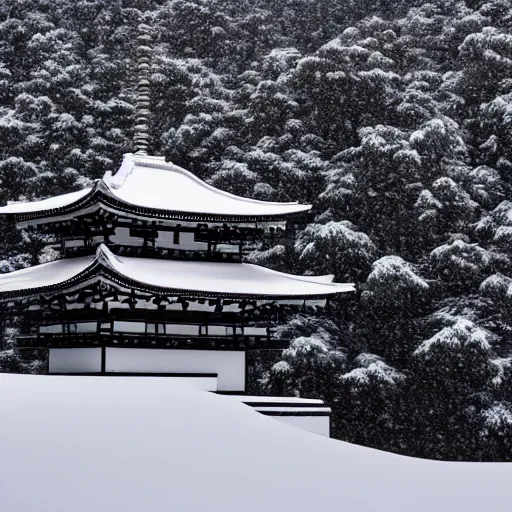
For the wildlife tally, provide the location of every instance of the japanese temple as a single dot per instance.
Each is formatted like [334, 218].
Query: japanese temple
[151, 280]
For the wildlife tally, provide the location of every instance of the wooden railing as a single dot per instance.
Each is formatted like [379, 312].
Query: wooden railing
[156, 252]
[73, 340]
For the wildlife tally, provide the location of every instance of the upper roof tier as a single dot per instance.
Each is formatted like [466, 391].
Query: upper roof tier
[148, 186]
[170, 277]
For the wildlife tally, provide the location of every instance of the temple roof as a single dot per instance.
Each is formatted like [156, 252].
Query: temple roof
[151, 187]
[193, 278]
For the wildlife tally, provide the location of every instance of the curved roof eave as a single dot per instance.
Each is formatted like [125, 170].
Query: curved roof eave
[157, 190]
[247, 281]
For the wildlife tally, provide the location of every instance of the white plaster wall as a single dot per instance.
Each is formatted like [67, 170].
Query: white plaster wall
[255, 331]
[122, 237]
[75, 360]
[120, 326]
[229, 365]
[182, 329]
[86, 326]
[219, 330]
[315, 424]
[165, 240]
[47, 329]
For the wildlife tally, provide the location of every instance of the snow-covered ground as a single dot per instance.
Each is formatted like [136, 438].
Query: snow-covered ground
[73, 444]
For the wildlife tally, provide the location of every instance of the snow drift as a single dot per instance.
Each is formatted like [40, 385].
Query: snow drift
[149, 444]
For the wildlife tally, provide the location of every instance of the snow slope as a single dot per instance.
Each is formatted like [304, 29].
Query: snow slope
[73, 444]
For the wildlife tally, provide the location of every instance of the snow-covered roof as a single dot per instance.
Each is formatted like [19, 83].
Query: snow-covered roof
[126, 443]
[152, 187]
[50, 203]
[167, 276]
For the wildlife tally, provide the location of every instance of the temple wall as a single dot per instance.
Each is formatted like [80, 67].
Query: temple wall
[229, 365]
[165, 240]
[75, 360]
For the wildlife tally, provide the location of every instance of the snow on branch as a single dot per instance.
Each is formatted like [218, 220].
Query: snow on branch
[394, 281]
[497, 417]
[463, 333]
[372, 369]
[335, 247]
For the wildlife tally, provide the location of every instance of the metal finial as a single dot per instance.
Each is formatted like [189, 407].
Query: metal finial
[144, 51]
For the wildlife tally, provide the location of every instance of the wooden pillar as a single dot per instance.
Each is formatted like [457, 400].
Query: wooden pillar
[176, 235]
[104, 317]
[103, 357]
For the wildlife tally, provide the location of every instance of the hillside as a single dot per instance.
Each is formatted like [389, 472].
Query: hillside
[131, 444]
[392, 118]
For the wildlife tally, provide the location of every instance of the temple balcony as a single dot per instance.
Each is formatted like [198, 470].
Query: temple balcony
[156, 252]
[142, 340]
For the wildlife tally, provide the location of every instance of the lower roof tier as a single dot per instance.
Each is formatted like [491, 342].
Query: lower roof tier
[189, 278]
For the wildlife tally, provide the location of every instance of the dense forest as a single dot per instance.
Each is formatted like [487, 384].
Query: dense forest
[393, 118]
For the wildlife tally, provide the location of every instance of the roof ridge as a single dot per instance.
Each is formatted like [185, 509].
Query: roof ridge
[158, 194]
[131, 160]
[107, 258]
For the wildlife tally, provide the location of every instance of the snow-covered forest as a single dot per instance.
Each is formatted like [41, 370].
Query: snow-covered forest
[393, 118]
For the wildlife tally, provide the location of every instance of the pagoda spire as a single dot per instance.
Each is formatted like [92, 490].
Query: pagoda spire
[144, 52]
